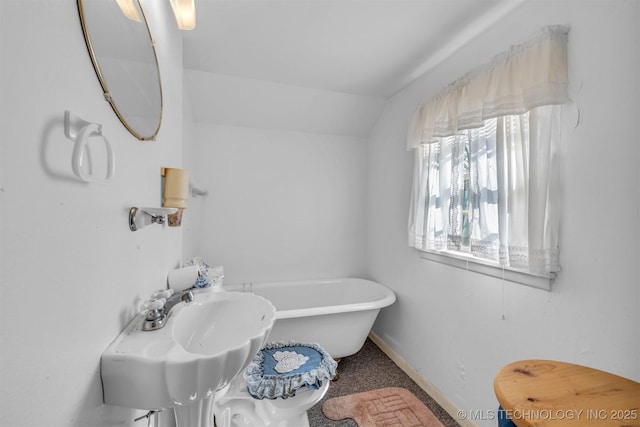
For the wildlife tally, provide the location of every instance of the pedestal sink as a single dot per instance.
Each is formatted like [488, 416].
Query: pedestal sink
[203, 346]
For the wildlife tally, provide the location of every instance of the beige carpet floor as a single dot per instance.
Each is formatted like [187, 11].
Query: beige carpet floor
[371, 369]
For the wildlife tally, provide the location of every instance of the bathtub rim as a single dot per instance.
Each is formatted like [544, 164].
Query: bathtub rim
[378, 304]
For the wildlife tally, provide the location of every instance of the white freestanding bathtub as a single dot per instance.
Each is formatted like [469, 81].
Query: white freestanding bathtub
[338, 314]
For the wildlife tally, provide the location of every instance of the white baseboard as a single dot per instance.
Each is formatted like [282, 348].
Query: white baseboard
[424, 384]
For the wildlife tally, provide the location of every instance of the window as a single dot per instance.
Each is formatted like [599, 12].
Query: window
[486, 162]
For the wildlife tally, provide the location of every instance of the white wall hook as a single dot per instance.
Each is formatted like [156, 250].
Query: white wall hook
[196, 191]
[79, 131]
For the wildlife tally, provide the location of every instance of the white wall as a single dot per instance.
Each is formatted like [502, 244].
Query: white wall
[447, 323]
[282, 204]
[71, 271]
[236, 101]
[285, 168]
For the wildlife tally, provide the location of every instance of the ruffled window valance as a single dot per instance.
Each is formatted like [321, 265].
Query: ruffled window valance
[527, 76]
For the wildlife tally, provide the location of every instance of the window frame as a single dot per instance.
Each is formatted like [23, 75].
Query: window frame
[488, 268]
[464, 259]
[527, 76]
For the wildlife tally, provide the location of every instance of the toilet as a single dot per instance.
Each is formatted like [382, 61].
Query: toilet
[282, 382]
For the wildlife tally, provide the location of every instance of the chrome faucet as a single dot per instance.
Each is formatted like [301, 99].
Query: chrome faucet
[160, 310]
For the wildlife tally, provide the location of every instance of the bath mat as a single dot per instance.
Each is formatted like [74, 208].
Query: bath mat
[385, 407]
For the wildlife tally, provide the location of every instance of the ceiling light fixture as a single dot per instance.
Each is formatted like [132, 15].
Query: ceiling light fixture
[129, 9]
[185, 13]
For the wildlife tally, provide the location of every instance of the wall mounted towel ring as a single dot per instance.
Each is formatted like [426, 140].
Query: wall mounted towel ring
[79, 131]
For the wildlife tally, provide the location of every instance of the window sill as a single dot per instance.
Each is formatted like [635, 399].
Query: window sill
[489, 269]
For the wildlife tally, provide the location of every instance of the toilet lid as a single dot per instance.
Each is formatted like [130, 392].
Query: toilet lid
[281, 368]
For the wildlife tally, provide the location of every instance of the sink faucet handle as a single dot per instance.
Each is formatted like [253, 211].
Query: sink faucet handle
[155, 316]
[162, 293]
[154, 304]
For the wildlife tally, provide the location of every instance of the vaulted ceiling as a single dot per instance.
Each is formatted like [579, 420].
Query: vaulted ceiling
[368, 48]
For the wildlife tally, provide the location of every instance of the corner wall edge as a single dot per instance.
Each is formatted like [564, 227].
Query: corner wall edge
[422, 382]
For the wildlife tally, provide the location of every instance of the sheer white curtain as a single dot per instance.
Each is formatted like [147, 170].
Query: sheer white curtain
[486, 159]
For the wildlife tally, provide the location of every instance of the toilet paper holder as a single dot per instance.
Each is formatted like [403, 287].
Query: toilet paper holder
[79, 130]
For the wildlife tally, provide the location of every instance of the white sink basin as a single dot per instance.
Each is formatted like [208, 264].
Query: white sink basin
[203, 346]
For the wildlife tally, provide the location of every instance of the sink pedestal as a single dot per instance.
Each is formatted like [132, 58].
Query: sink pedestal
[198, 414]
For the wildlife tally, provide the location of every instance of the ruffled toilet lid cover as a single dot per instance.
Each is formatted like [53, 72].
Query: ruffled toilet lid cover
[281, 368]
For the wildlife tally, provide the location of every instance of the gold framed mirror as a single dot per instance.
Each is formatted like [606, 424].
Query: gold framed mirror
[124, 57]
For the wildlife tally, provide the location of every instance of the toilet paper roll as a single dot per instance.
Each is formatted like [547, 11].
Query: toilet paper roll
[183, 278]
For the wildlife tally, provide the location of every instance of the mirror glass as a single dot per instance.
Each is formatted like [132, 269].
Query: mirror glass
[125, 61]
